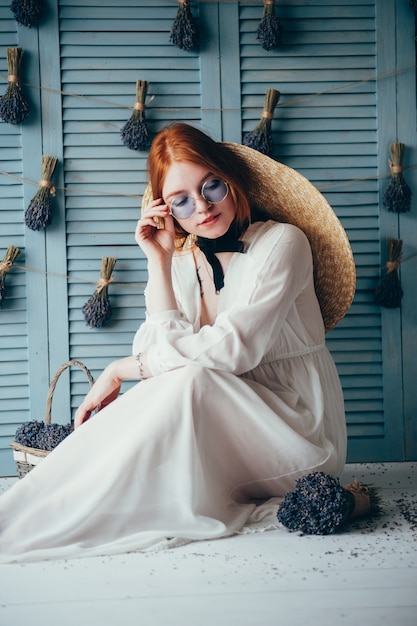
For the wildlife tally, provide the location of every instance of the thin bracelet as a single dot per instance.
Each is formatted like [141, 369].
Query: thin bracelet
[138, 358]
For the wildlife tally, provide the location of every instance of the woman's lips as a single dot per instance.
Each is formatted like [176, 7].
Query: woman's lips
[212, 219]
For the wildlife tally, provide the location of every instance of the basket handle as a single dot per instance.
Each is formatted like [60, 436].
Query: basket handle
[55, 380]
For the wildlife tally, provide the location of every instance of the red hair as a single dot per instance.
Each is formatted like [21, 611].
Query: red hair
[181, 142]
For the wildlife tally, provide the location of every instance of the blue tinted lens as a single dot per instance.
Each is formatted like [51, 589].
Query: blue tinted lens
[214, 190]
[182, 207]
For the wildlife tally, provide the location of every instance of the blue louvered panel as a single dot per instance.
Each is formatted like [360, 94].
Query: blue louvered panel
[105, 48]
[14, 392]
[331, 138]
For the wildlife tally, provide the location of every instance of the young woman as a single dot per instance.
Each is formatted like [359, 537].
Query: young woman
[237, 395]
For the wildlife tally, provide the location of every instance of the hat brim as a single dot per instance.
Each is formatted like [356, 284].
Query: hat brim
[278, 192]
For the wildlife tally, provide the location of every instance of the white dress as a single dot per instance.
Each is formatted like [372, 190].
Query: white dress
[234, 413]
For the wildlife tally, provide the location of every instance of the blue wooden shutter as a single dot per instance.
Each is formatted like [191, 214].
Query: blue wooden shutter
[14, 390]
[104, 50]
[326, 127]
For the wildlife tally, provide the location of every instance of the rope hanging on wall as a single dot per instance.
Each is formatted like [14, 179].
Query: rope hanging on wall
[13, 107]
[261, 137]
[184, 32]
[134, 133]
[26, 12]
[389, 292]
[5, 265]
[397, 196]
[269, 30]
[38, 213]
[97, 310]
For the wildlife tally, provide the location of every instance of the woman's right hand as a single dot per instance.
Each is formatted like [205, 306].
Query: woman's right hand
[103, 392]
[157, 243]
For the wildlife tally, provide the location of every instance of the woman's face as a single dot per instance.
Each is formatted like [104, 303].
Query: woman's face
[211, 220]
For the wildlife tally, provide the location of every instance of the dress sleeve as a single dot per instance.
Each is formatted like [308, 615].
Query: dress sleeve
[241, 335]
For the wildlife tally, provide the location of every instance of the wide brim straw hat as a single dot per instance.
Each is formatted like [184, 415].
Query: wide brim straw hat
[278, 192]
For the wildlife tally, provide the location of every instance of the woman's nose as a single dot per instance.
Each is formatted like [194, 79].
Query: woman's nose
[201, 204]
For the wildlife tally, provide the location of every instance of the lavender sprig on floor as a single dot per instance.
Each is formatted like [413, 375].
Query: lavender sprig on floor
[319, 505]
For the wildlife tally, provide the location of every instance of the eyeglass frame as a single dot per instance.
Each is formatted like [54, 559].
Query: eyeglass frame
[201, 195]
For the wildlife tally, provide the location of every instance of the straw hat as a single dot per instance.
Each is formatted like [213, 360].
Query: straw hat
[283, 194]
[278, 192]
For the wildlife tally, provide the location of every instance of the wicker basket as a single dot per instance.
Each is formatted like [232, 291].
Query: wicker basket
[26, 458]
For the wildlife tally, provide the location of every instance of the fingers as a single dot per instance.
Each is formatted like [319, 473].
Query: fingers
[81, 416]
[154, 211]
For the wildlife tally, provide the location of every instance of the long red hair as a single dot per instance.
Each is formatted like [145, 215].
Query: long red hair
[181, 142]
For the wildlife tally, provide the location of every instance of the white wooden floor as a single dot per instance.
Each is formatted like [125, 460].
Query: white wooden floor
[366, 576]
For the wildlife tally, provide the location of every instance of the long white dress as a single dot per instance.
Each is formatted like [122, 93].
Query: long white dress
[234, 413]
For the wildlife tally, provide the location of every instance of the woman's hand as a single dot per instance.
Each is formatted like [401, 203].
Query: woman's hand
[157, 243]
[107, 387]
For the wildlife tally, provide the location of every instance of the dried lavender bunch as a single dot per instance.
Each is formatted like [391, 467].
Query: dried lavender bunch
[319, 505]
[26, 12]
[184, 33]
[260, 138]
[389, 292]
[52, 434]
[27, 433]
[135, 133]
[13, 107]
[38, 213]
[397, 196]
[5, 265]
[97, 310]
[43, 436]
[269, 29]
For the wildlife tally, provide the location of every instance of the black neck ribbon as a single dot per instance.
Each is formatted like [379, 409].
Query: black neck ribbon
[209, 247]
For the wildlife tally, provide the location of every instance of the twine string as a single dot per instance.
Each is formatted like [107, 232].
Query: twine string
[47, 183]
[5, 266]
[103, 282]
[362, 499]
[392, 265]
[395, 169]
[267, 115]
[12, 78]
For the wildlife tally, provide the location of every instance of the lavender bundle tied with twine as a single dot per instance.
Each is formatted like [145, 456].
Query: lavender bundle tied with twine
[397, 196]
[13, 107]
[97, 310]
[134, 133]
[5, 265]
[269, 30]
[184, 32]
[319, 505]
[261, 137]
[26, 12]
[389, 292]
[38, 213]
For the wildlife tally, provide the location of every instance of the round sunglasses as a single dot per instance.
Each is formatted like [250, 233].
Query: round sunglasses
[213, 190]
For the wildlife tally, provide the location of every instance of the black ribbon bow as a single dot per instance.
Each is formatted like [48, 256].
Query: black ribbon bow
[209, 247]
